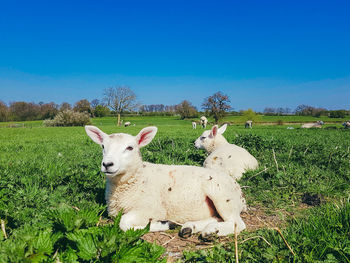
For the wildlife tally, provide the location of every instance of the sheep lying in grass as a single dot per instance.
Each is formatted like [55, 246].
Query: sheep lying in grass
[126, 124]
[202, 200]
[194, 125]
[222, 155]
[318, 124]
[203, 121]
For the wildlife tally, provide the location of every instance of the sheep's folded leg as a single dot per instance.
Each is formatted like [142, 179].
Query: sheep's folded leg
[191, 227]
[137, 221]
[223, 228]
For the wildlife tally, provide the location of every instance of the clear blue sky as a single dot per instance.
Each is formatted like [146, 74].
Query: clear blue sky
[260, 53]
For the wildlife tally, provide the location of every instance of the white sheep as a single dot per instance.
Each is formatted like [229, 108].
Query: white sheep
[202, 200]
[312, 125]
[126, 124]
[346, 125]
[203, 121]
[194, 125]
[231, 158]
[248, 124]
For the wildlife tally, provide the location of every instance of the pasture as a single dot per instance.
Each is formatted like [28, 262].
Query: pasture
[52, 195]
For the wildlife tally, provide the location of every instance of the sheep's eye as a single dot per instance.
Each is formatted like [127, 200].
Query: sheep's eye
[202, 138]
[129, 148]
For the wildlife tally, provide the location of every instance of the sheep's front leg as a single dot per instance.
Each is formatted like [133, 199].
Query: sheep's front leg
[191, 227]
[222, 228]
[136, 221]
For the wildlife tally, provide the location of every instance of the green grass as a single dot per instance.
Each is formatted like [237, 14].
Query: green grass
[286, 119]
[175, 121]
[21, 124]
[322, 235]
[45, 170]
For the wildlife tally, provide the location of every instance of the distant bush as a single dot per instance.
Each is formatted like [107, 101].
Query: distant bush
[101, 111]
[250, 115]
[337, 114]
[69, 118]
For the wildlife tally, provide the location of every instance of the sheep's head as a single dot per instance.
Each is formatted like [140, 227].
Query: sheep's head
[211, 138]
[121, 152]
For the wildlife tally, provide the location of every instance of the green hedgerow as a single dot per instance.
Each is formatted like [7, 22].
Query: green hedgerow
[69, 118]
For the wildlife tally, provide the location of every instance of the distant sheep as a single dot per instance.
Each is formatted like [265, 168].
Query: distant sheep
[194, 125]
[201, 200]
[346, 125]
[231, 158]
[248, 124]
[317, 124]
[203, 121]
[126, 124]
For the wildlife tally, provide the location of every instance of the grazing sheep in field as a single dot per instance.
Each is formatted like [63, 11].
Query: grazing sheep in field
[203, 121]
[346, 125]
[231, 158]
[248, 124]
[126, 124]
[318, 124]
[202, 200]
[194, 125]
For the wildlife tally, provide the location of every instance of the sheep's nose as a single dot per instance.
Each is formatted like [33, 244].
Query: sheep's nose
[106, 165]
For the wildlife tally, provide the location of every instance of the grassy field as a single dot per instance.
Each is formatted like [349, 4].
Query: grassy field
[174, 120]
[52, 194]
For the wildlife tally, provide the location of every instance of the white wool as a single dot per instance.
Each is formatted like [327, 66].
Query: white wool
[311, 125]
[203, 121]
[149, 192]
[224, 156]
[248, 124]
[346, 125]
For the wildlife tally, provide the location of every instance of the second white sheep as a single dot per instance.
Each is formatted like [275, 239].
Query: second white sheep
[231, 158]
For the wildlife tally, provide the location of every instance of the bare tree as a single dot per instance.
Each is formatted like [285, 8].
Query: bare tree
[4, 111]
[94, 103]
[82, 106]
[24, 111]
[120, 99]
[269, 111]
[217, 105]
[170, 108]
[186, 110]
[48, 110]
[304, 110]
[65, 106]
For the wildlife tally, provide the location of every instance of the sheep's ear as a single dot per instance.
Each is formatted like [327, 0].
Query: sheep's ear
[222, 129]
[214, 131]
[95, 134]
[146, 135]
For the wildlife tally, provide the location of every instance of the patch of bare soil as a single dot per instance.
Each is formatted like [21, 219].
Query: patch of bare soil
[255, 218]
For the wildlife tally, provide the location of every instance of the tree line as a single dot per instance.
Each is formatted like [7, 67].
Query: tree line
[29, 111]
[122, 100]
[116, 101]
[306, 110]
